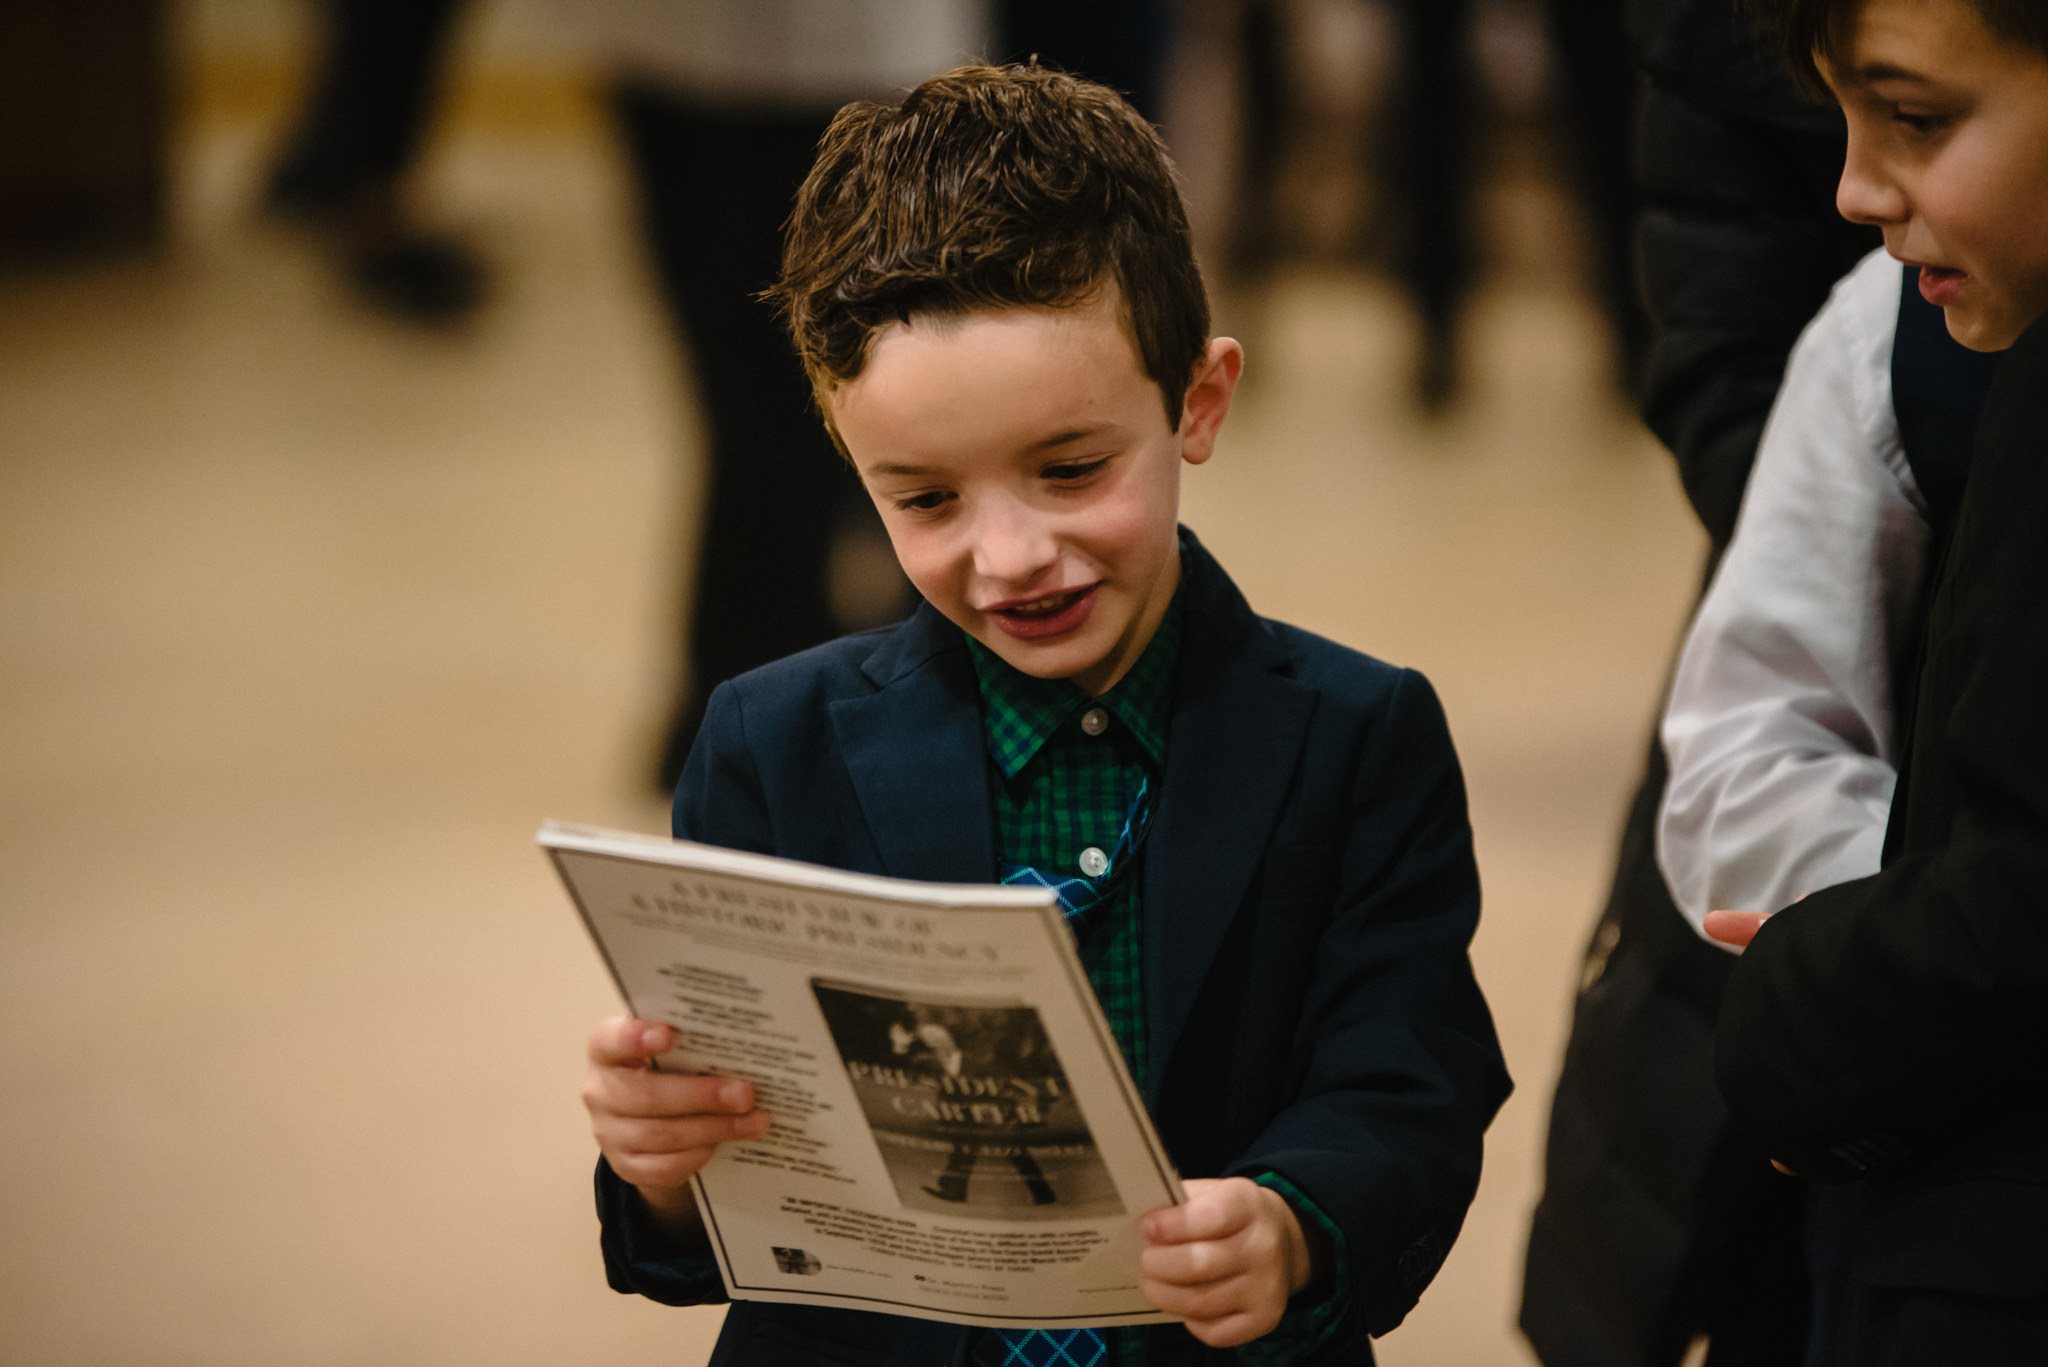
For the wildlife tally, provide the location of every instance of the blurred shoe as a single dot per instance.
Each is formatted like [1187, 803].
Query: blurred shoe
[387, 261]
[1436, 372]
[430, 281]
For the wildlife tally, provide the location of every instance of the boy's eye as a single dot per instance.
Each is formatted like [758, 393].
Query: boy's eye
[922, 503]
[1075, 470]
[1922, 124]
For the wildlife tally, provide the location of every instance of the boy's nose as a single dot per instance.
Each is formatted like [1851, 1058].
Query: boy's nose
[1867, 194]
[1013, 542]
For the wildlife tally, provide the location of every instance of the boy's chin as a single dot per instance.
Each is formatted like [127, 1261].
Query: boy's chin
[1071, 661]
[1972, 330]
[1982, 329]
[1040, 662]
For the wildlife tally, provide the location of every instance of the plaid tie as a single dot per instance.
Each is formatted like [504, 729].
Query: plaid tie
[1039, 1348]
[1078, 896]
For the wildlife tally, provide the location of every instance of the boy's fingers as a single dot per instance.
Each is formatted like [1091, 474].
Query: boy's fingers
[1169, 1297]
[1198, 1263]
[668, 1095]
[1736, 928]
[1221, 1314]
[638, 1092]
[1213, 1211]
[1231, 1331]
[621, 1082]
[660, 1136]
[1192, 1302]
[624, 1042]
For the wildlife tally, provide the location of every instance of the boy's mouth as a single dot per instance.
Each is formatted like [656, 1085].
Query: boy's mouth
[1938, 285]
[1037, 619]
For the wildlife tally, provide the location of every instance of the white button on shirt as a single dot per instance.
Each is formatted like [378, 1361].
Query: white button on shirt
[1093, 861]
[1095, 721]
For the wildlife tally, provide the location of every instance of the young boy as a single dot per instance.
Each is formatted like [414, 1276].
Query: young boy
[1889, 1028]
[1261, 836]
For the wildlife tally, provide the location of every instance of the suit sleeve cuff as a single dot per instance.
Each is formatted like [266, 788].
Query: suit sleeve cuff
[1313, 1317]
[642, 1257]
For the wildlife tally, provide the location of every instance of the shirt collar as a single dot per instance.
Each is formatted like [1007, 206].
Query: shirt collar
[1021, 713]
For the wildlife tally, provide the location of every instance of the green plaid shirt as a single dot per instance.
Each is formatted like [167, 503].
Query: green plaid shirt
[1066, 768]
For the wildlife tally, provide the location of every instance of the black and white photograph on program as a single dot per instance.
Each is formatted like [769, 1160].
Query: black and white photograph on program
[968, 1105]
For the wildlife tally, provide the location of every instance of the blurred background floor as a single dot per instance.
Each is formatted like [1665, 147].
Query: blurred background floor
[307, 621]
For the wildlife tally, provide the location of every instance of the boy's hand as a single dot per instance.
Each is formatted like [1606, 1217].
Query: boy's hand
[1227, 1261]
[1736, 928]
[657, 1129]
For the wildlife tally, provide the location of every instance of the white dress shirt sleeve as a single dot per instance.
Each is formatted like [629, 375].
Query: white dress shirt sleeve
[1780, 725]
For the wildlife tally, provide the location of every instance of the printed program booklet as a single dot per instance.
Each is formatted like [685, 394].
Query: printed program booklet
[955, 1134]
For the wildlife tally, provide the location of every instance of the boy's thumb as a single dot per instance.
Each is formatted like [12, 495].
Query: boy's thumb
[622, 1041]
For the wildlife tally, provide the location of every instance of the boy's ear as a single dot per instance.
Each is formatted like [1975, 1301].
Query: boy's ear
[1207, 401]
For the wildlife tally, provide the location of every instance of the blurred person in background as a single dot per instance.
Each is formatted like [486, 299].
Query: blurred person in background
[1658, 1223]
[1430, 154]
[719, 105]
[1117, 43]
[342, 170]
[1435, 163]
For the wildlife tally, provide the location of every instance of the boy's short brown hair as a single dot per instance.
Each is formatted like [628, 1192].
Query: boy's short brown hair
[988, 188]
[1811, 31]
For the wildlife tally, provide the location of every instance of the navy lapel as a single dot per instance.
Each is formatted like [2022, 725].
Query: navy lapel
[1239, 722]
[915, 754]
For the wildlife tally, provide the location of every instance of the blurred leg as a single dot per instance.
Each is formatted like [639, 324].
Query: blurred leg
[366, 115]
[715, 186]
[1120, 43]
[372, 94]
[1599, 90]
[1254, 231]
[1432, 177]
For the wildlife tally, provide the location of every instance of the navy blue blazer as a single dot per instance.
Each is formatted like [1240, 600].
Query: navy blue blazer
[1309, 896]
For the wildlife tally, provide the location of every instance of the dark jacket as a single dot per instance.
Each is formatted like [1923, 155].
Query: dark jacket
[1893, 1028]
[1739, 238]
[1648, 1194]
[1309, 891]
